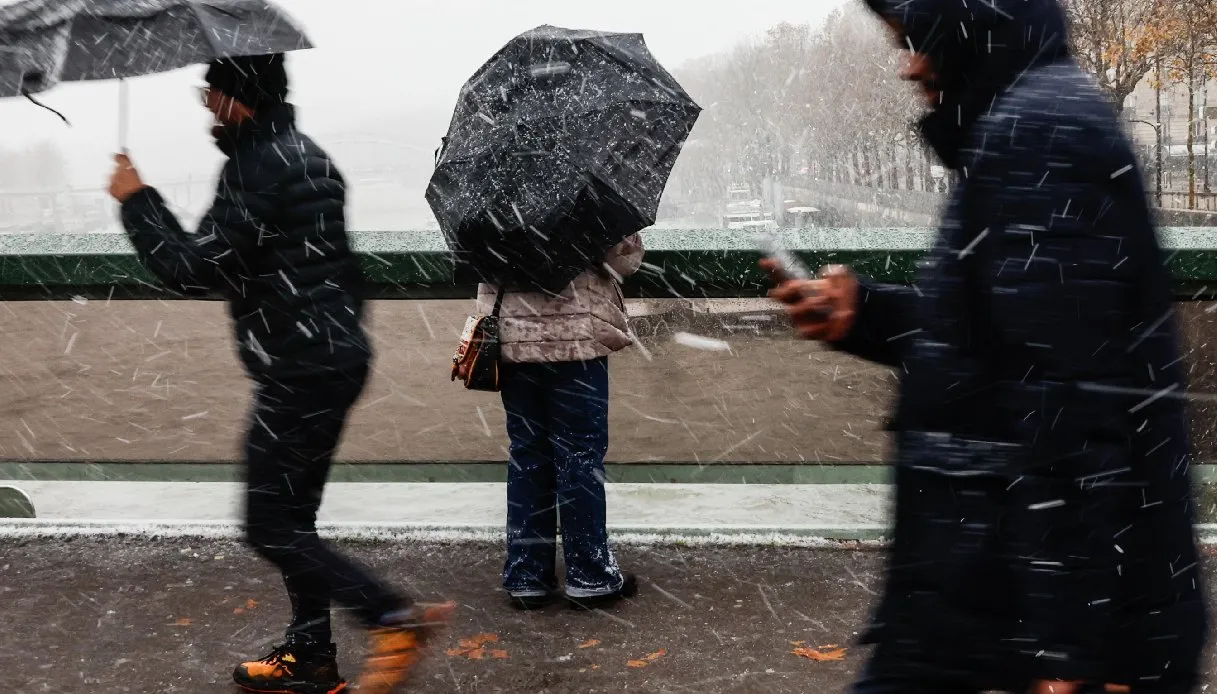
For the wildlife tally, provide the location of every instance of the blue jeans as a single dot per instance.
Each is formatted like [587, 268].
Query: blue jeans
[557, 420]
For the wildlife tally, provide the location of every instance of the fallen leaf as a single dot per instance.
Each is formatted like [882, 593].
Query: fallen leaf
[473, 648]
[590, 644]
[595, 667]
[1117, 689]
[183, 622]
[647, 659]
[797, 643]
[820, 655]
[251, 604]
[238, 610]
[656, 655]
[479, 640]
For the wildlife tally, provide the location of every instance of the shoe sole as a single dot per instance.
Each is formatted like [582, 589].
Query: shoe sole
[396, 666]
[531, 603]
[597, 602]
[321, 690]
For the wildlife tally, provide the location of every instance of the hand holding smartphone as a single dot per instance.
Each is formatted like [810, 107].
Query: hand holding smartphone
[821, 307]
[790, 266]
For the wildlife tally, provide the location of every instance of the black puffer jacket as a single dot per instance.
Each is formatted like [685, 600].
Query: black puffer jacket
[274, 244]
[1043, 511]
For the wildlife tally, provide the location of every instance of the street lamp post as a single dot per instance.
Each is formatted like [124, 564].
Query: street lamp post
[1158, 163]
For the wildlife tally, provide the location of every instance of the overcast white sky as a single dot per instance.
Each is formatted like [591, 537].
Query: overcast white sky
[376, 58]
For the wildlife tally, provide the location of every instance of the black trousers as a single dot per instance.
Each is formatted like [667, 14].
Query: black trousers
[872, 683]
[294, 430]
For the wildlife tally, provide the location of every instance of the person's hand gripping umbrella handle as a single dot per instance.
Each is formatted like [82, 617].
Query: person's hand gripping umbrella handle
[125, 182]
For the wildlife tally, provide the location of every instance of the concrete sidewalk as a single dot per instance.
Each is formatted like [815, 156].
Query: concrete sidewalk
[839, 511]
[114, 615]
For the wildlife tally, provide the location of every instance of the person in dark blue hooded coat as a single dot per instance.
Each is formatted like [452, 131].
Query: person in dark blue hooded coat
[1043, 521]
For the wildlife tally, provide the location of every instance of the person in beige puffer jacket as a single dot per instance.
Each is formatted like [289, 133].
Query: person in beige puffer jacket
[554, 383]
[585, 322]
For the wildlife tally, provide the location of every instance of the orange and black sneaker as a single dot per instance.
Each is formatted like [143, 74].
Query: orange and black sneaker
[292, 669]
[396, 649]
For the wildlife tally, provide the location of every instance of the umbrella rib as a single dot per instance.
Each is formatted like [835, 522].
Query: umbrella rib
[42, 38]
[203, 27]
[613, 54]
[580, 114]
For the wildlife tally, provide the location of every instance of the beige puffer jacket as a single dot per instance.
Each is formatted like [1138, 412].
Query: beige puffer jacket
[586, 321]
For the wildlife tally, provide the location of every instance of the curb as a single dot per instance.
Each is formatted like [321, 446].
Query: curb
[428, 472]
[636, 535]
[659, 472]
[356, 531]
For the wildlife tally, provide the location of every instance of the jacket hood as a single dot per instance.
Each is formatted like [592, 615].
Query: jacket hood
[979, 49]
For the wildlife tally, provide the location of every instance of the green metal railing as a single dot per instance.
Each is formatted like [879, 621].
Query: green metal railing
[680, 263]
[416, 264]
[683, 263]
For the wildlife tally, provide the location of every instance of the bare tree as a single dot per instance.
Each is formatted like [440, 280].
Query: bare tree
[797, 104]
[1188, 45]
[867, 109]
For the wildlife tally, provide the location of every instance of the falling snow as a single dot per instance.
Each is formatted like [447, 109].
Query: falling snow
[1017, 391]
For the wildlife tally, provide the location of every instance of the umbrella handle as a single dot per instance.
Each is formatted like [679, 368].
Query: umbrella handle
[124, 114]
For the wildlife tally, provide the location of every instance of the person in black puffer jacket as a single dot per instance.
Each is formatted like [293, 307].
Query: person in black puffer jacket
[275, 245]
[1043, 520]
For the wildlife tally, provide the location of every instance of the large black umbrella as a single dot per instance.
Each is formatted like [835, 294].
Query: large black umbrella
[45, 42]
[560, 147]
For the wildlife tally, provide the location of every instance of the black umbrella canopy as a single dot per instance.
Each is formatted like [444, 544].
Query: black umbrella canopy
[560, 147]
[45, 42]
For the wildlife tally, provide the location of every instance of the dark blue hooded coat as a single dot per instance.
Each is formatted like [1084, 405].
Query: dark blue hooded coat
[1043, 513]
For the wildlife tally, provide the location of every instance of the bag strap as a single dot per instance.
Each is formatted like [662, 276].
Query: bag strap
[498, 302]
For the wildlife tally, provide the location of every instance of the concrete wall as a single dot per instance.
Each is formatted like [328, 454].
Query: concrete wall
[159, 381]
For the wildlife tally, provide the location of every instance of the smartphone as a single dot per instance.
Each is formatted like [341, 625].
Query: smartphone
[791, 266]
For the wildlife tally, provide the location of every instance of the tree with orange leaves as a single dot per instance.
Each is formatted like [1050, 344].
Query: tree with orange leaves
[1116, 41]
